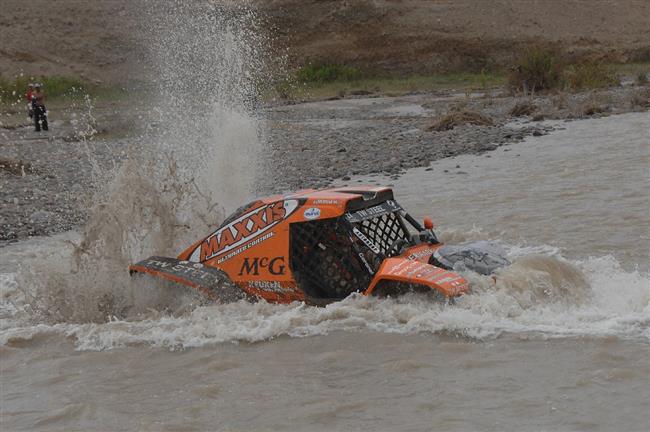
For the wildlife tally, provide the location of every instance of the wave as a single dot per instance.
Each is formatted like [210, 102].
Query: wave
[538, 296]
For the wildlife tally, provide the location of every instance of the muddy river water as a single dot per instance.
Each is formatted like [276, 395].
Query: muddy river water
[561, 342]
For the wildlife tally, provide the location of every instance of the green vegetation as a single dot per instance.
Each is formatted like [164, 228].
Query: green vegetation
[54, 86]
[590, 75]
[300, 89]
[541, 69]
[632, 69]
[538, 69]
[326, 72]
[61, 92]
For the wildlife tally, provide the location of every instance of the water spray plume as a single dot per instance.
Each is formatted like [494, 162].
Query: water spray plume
[196, 160]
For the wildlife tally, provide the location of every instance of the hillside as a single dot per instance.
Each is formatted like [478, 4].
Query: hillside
[99, 41]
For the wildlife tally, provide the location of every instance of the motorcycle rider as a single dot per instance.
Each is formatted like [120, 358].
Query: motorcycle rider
[38, 106]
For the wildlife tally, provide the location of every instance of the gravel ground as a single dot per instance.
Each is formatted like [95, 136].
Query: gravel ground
[310, 145]
[318, 142]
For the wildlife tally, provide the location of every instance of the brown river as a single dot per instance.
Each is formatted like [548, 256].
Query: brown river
[560, 343]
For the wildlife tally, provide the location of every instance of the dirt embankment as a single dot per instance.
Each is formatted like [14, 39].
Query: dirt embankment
[94, 40]
[98, 40]
[411, 36]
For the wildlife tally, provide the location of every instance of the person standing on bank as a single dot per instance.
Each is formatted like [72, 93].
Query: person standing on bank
[38, 105]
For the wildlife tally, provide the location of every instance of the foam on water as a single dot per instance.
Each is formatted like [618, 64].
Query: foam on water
[538, 296]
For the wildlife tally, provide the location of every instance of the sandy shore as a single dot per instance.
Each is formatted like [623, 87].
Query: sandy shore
[309, 145]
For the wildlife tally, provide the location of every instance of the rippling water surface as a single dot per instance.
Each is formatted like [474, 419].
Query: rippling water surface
[561, 342]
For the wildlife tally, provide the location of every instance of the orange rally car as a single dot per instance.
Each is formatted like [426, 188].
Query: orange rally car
[315, 246]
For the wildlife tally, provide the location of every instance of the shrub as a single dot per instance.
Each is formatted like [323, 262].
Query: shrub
[642, 78]
[327, 72]
[592, 106]
[559, 100]
[536, 70]
[523, 108]
[590, 75]
[285, 89]
[459, 117]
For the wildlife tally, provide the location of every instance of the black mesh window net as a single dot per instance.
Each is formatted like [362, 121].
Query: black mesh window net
[383, 230]
[323, 260]
[326, 262]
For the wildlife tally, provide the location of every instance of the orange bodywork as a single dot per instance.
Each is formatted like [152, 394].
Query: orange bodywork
[253, 248]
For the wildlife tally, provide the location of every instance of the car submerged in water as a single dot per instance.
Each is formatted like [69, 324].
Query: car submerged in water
[319, 246]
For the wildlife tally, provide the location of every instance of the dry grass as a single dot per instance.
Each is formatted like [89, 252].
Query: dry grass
[640, 99]
[559, 101]
[524, 108]
[460, 117]
[592, 106]
[16, 167]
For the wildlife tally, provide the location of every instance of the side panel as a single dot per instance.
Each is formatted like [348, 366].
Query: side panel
[420, 252]
[253, 249]
[209, 281]
[448, 283]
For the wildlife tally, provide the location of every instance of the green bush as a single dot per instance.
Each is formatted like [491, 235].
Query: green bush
[54, 86]
[284, 89]
[327, 72]
[537, 69]
[589, 75]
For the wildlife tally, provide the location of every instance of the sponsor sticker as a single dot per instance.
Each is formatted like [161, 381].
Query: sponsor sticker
[184, 269]
[234, 236]
[252, 266]
[373, 247]
[389, 206]
[365, 262]
[272, 286]
[416, 255]
[312, 213]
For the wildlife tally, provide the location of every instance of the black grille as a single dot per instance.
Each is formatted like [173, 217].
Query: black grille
[383, 230]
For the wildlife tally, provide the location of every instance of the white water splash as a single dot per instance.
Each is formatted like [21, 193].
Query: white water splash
[196, 160]
[539, 296]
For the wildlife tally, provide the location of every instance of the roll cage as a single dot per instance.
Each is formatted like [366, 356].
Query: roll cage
[333, 257]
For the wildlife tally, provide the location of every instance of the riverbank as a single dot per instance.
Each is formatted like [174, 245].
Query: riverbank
[47, 178]
[559, 341]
